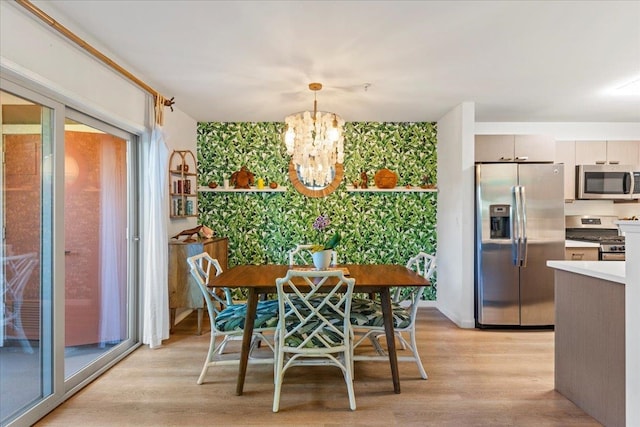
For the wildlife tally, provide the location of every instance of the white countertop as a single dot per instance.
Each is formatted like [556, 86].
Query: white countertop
[613, 271]
[578, 244]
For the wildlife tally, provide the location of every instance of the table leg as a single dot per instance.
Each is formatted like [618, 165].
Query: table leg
[385, 303]
[252, 305]
[200, 310]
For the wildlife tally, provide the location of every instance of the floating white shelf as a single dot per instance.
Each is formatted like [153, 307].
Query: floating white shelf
[374, 189]
[253, 189]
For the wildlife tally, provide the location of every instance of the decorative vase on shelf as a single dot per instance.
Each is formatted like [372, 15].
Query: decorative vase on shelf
[322, 259]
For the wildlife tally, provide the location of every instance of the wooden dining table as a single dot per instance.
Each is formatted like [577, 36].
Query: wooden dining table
[370, 278]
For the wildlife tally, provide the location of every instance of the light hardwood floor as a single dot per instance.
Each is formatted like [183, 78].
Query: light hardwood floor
[476, 378]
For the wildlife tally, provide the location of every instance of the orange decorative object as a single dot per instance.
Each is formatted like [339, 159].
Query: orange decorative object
[365, 180]
[273, 184]
[242, 178]
[384, 178]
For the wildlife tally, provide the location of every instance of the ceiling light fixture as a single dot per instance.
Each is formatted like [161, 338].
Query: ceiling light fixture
[629, 88]
[315, 142]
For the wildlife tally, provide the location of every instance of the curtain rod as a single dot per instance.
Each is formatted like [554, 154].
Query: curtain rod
[159, 99]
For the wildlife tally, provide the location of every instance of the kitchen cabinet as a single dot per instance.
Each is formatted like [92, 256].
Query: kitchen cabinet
[623, 152]
[514, 148]
[573, 153]
[581, 254]
[590, 345]
[607, 152]
[566, 154]
[183, 289]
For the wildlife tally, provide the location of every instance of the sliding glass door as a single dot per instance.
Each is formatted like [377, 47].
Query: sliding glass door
[96, 251]
[26, 346]
[69, 253]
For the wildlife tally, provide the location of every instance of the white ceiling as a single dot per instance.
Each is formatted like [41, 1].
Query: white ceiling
[253, 60]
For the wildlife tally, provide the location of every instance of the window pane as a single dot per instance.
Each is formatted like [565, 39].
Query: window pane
[25, 285]
[95, 244]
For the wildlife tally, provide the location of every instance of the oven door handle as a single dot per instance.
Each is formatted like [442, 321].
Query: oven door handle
[618, 256]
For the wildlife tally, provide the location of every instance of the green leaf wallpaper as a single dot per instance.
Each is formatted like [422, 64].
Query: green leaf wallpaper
[375, 227]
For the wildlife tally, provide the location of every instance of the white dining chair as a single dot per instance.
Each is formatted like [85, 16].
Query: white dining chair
[313, 325]
[227, 319]
[16, 270]
[367, 319]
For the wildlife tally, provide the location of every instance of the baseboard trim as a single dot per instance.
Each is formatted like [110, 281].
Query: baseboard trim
[424, 303]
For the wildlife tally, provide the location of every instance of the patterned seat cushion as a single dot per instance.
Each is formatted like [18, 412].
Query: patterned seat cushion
[365, 312]
[232, 318]
[327, 334]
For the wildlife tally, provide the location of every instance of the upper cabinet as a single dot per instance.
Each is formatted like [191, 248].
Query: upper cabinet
[607, 152]
[574, 153]
[591, 152]
[623, 152]
[514, 148]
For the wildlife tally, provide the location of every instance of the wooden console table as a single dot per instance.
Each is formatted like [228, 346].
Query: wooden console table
[183, 290]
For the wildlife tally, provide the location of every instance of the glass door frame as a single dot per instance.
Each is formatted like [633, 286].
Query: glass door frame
[52, 364]
[53, 312]
[87, 374]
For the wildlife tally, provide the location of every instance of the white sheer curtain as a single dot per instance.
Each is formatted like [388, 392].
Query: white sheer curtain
[113, 243]
[155, 242]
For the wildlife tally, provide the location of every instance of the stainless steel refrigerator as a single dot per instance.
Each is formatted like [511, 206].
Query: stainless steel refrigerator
[519, 226]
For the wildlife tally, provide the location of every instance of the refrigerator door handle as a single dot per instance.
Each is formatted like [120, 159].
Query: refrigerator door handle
[523, 220]
[516, 239]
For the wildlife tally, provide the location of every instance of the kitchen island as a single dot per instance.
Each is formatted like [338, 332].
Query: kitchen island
[590, 336]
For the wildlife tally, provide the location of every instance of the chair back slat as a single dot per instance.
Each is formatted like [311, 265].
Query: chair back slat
[201, 265]
[14, 274]
[425, 265]
[315, 307]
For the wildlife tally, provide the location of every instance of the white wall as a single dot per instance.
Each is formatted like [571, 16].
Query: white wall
[181, 134]
[34, 52]
[456, 215]
[632, 322]
[602, 207]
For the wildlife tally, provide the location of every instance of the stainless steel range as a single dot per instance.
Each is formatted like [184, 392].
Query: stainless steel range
[597, 229]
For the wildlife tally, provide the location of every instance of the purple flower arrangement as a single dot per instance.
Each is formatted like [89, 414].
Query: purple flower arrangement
[321, 224]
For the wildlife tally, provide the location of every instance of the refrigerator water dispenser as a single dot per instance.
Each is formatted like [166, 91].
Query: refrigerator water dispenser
[500, 221]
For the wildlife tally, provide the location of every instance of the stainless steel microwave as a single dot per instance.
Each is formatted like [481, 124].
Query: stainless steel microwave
[613, 182]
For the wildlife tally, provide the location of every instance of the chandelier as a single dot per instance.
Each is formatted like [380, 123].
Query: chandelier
[315, 143]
